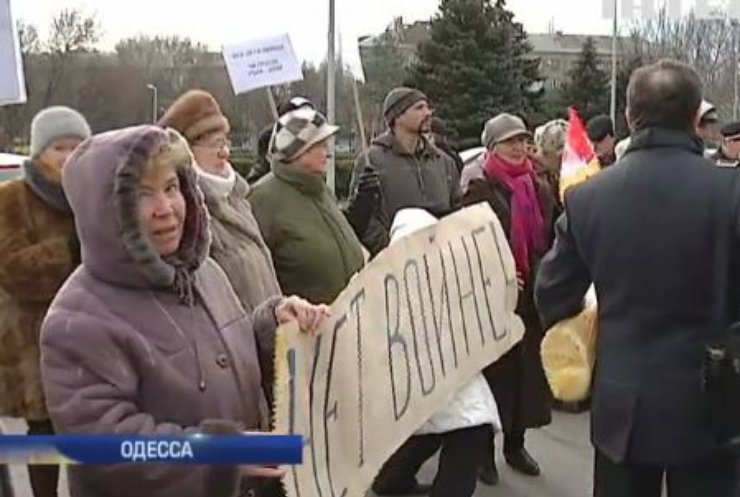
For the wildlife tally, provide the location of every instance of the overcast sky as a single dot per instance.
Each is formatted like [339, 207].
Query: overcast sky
[219, 22]
[216, 22]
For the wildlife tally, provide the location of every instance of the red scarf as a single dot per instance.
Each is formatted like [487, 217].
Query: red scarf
[527, 236]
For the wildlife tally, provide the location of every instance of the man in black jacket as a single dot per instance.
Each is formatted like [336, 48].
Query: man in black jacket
[647, 232]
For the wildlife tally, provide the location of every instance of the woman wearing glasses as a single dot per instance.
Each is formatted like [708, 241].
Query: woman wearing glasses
[237, 244]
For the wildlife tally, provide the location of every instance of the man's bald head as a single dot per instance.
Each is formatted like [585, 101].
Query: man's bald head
[666, 94]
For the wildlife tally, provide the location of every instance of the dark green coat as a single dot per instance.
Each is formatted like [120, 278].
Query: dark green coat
[313, 247]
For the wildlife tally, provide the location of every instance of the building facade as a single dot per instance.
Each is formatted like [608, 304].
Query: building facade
[557, 52]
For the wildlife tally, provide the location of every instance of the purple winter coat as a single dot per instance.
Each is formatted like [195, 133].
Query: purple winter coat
[134, 343]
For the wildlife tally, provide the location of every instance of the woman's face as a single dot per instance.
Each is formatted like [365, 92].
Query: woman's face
[162, 210]
[313, 160]
[55, 154]
[551, 160]
[212, 153]
[513, 150]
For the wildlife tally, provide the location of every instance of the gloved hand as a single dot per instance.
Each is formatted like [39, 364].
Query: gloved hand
[368, 184]
[364, 201]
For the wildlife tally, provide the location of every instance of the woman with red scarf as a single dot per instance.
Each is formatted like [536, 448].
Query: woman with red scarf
[507, 180]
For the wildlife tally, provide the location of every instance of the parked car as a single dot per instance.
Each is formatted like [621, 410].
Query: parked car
[471, 154]
[11, 166]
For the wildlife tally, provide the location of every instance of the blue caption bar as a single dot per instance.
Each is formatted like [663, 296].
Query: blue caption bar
[191, 449]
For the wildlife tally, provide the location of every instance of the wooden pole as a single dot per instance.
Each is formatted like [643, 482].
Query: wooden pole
[360, 121]
[613, 103]
[273, 105]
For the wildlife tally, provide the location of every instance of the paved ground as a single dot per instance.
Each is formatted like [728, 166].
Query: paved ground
[564, 454]
[562, 449]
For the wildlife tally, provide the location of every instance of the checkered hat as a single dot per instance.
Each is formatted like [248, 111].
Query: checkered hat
[297, 131]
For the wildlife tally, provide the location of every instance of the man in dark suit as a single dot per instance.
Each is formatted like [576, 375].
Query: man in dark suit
[647, 232]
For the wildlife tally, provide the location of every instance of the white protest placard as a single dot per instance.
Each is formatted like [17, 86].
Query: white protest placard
[409, 331]
[12, 81]
[261, 63]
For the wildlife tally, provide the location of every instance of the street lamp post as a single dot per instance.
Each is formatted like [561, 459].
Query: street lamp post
[735, 75]
[155, 96]
[613, 96]
[331, 96]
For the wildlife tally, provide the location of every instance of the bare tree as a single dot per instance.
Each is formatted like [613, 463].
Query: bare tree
[29, 38]
[167, 62]
[72, 35]
[73, 32]
[709, 45]
[386, 65]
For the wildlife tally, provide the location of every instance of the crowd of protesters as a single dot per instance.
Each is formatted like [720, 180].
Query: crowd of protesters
[143, 279]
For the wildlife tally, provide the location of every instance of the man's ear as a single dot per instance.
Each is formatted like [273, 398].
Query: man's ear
[697, 120]
[628, 118]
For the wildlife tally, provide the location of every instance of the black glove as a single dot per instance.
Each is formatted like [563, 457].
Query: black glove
[365, 200]
[368, 184]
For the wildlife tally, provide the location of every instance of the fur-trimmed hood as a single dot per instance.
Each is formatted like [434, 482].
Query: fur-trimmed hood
[101, 180]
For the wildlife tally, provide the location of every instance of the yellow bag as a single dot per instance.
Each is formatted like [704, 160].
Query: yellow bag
[568, 354]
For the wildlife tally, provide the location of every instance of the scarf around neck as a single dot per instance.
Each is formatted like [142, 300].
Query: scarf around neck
[218, 186]
[48, 190]
[527, 235]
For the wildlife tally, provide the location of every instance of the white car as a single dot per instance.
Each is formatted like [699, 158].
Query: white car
[11, 166]
[471, 154]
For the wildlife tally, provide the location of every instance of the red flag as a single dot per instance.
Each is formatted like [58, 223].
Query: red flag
[579, 158]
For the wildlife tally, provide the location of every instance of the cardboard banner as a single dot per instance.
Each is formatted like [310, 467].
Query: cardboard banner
[415, 326]
[262, 63]
[12, 80]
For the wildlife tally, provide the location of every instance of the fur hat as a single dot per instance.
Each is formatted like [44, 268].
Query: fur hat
[297, 131]
[399, 100]
[56, 122]
[195, 114]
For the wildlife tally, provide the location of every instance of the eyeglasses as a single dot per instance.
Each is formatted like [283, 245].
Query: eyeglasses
[214, 143]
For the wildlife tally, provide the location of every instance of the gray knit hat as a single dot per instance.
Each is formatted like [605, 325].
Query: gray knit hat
[297, 131]
[400, 99]
[56, 122]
